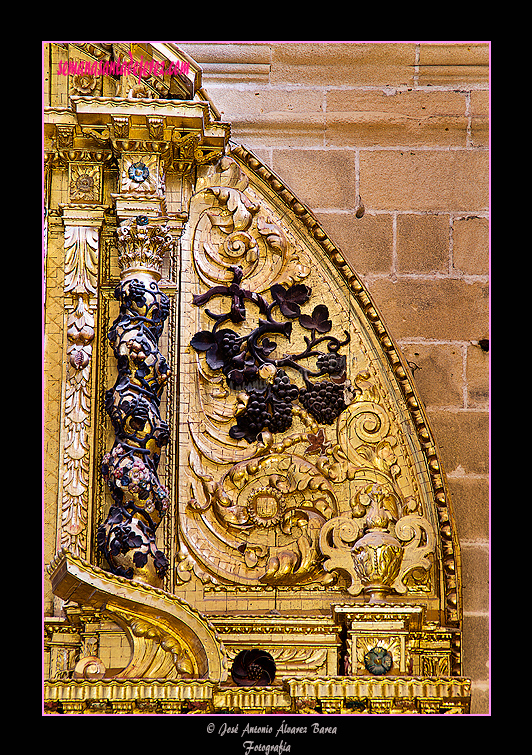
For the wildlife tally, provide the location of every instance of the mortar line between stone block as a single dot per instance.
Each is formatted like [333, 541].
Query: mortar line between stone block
[455, 409]
[420, 341]
[469, 139]
[455, 215]
[471, 614]
[468, 279]
[394, 247]
[212, 84]
[357, 175]
[379, 148]
[454, 475]
[465, 396]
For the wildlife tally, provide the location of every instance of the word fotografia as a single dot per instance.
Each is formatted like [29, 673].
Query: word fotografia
[250, 746]
[139, 68]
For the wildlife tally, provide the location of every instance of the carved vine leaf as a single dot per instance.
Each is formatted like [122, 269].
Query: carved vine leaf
[290, 299]
[266, 401]
[317, 443]
[318, 320]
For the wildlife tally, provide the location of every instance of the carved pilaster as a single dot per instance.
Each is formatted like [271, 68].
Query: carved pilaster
[81, 241]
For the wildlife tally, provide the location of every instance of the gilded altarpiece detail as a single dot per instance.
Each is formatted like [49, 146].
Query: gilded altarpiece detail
[250, 493]
[280, 498]
[82, 225]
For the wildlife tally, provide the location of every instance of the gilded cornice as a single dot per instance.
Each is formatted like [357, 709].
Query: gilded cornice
[274, 625]
[177, 112]
[374, 687]
[303, 695]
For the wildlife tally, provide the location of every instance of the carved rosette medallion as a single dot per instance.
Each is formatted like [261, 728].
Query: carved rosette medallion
[139, 174]
[85, 182]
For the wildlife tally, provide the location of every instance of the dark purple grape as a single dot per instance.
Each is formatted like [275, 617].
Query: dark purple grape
[332, 363]
[324, 401]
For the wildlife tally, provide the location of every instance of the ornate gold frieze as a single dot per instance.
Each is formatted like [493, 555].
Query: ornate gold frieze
[299, 646]
[302, 696]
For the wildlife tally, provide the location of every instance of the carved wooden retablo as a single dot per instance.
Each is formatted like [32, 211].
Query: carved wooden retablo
[252, 515]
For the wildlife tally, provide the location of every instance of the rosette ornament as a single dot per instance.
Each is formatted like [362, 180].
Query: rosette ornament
[378, 661]
[253, 668]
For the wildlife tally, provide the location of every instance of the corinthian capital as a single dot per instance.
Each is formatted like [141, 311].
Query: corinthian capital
[142, 244]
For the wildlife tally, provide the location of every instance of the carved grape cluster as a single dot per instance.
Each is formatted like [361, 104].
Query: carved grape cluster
[267, 408]
[324, 401]
[267, 392]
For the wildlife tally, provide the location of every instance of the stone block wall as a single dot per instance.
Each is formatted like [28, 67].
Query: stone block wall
[388, 144]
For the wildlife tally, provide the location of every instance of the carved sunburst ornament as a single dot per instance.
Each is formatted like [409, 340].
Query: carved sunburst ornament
[84, 185]
[265, 507]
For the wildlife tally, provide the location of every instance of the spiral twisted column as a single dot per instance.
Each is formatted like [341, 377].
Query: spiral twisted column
[127, 538]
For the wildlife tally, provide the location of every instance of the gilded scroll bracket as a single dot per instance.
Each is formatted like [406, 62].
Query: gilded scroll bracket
[168, 638]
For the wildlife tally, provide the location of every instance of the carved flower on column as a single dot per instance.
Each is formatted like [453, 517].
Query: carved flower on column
[84, 185]
[84, 83]
[139, 174]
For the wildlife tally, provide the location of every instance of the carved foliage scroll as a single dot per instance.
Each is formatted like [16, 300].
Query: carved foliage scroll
[298, 472]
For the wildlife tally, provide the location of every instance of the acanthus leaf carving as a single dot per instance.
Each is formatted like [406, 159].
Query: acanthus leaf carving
[81, 259]
[80, 285]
